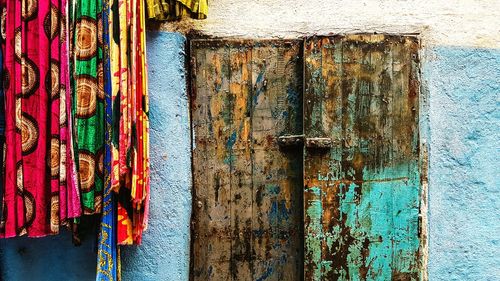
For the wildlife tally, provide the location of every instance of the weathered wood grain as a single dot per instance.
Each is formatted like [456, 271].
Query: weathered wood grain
[212, 115]
[361, 197]
[247, 193]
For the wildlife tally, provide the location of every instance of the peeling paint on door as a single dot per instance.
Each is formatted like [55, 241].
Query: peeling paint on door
[362, 195]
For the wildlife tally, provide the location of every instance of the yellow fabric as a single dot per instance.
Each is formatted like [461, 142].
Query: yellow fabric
[176, 9]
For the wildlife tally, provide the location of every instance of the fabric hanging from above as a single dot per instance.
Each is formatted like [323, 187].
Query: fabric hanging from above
[108, 257]
[2, 133]
[88, 101]
[130, 130]
[177, 9]
[40, 191]
[76, 120]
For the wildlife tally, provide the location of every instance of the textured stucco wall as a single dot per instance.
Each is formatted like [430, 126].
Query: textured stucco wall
[164, 254]
[459, 22]
[464, 175]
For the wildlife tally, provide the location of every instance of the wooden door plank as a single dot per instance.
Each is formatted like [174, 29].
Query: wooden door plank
[277, 175]
[211, 113]
[239, 147]
[362, 196]
[246, 94]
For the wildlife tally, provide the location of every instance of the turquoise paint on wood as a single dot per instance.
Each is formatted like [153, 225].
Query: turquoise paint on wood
[362, 196]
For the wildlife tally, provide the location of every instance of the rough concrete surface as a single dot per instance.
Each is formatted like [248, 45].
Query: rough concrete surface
[464, 174]
[458, 23]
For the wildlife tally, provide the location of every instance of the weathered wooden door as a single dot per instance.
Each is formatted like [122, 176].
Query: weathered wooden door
[361, 194]
[339, 199]
[247, 201]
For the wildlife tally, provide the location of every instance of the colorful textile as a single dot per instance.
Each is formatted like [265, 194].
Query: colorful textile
[130, 141]
[2, 139]
[108, 262]
[176, 9]
[40, 191]
[88, 101]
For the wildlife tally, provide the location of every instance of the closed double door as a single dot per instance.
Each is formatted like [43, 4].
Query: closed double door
[306, 159]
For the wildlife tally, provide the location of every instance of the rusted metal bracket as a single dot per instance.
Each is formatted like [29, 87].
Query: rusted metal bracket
[312, 143]
[291, 140]
[319, 143]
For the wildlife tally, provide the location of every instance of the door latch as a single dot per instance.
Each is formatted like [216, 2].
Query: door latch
[291, 140]
[313, 143]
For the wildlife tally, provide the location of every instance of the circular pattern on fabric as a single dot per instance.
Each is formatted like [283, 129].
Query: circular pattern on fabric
[19, 178]
[17, 44]
[54, 212]
[100, 82]
[19, 116]
[99, 30]
[86, 166]
[97, 204]
[86, 38]
[100, 163]
[52, 22]
[29, 134]
[30, 9]
[21, 231]
[52, 82]
[29, 207]
[30, 79]
[86, 96]
[54, 157]
[3, 24]
[62, 164]
[63, 114]
[62, 35]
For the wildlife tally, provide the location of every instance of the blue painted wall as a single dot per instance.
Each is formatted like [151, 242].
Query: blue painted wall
[464, 176]
[164, 254]
[462, 121]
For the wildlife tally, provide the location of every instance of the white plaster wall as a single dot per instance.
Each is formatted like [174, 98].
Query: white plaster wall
[454, 22]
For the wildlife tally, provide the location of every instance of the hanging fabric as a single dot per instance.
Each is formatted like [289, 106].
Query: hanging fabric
[130, 141]
[108, 257]
[88, 101]
[2, 131]
[126, 155]
[176, 9]
[40, 191]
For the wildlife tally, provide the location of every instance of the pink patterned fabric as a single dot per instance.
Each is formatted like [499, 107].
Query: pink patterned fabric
[40, 176]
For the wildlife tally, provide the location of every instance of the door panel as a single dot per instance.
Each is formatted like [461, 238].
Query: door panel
[247, 219]
[361, 196]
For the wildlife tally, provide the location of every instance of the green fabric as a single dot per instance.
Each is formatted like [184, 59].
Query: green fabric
[87, 102]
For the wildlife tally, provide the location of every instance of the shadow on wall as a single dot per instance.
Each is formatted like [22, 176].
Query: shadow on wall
[164, 254]
[49, 258]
